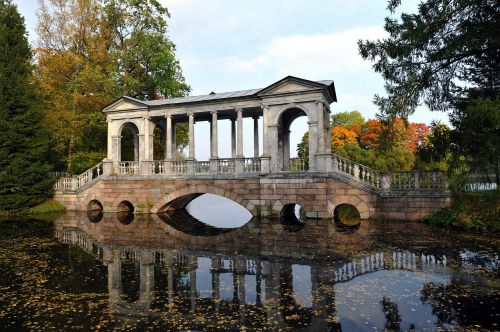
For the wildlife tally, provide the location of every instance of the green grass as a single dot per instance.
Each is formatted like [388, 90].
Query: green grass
[49, 207]
[478, 212]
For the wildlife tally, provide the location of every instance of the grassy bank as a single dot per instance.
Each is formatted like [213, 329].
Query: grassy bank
[49, 207]
[478, 212]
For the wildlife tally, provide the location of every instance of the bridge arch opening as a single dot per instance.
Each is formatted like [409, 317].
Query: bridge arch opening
[293, 140]
[211, 209]
[293, 217]
[346, 215]
[95, 211]
[94, 205]
[129, 142]
[125, 212]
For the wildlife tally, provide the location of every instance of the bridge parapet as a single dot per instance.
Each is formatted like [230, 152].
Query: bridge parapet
[349, 170]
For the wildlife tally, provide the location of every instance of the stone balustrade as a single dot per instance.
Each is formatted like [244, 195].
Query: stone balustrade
[357, 171]
[78, 181]
[401, 181]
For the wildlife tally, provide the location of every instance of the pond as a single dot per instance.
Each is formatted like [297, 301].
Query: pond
[173, 272]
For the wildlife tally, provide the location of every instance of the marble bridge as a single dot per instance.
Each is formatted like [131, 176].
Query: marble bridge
[142, 176]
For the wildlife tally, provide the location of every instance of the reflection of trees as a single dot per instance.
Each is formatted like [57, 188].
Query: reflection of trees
[391, 313]
[462, 305]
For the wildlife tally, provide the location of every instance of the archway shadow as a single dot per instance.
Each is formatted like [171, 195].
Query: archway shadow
[182, 221]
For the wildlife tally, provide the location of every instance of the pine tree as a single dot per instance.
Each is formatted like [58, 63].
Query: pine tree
[23, 143]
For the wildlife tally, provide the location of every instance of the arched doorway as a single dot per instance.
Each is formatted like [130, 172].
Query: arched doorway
[300, 162]
[129, 147]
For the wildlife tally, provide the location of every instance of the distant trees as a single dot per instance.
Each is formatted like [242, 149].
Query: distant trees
[91, 52]
[446, 56]
[23, 142]
[381, 144]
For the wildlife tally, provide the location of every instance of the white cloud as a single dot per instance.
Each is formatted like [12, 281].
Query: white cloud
[308, 55]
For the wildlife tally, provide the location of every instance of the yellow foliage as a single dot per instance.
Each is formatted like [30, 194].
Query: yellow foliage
[341, 135]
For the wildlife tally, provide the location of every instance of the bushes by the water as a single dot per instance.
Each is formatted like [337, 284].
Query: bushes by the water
[478, 212]
[48, 207]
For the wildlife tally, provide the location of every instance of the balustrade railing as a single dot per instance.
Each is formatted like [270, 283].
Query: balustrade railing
[128, 168]
[225, 166]
[77, 181]
[158, 167]
[202, 167]
[357, 171]
[418, 181]
[252, 165]
[298, 164]
[179, 167]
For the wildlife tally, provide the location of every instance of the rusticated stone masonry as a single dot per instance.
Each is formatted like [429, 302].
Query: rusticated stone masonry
[318, 195]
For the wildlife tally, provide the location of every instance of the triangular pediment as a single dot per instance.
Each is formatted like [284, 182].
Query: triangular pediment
[290, 84]
[125, 104]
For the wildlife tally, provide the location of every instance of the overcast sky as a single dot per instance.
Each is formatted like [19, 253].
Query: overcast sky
[228, 45]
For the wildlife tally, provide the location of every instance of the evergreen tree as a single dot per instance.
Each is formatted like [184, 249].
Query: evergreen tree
[23, 143]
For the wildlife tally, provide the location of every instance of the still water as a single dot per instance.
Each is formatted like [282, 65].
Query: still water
[174, 272]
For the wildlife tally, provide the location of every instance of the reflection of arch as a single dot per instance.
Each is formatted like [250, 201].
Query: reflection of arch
[181, 197]
[129, 142]
[286, 116]
[95, 216]
[125, 217]
[184, 222]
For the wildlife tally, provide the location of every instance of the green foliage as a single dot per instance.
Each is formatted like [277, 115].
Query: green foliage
[471, 211]
[90, 53]
[48, 207]
[477, 134]
[351, 120]
[303, 147]
[23, 143]
[81, 161]
[141, 50]
[393, 160]
[438, 144]
[435, 55]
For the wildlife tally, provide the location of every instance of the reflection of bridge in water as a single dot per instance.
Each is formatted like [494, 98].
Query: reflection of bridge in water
[253, 289]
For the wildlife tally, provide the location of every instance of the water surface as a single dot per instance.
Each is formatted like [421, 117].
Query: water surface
[173, 272]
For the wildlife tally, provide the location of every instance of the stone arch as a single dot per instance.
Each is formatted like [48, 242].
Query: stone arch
[193, 191]
[283, 122]
[278, 114]
[128, 134]
[354, 200]
[120, 124]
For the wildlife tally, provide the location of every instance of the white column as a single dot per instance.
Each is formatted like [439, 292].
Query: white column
[214, 140]
[265, 131]
[191, 135]
[256, 136]
[148, 153]
[174, 140]
[239, 150]
[327, 131]
[168, 136]
[116, 148]
[321, 126]
[233, 138]
[109, 141]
